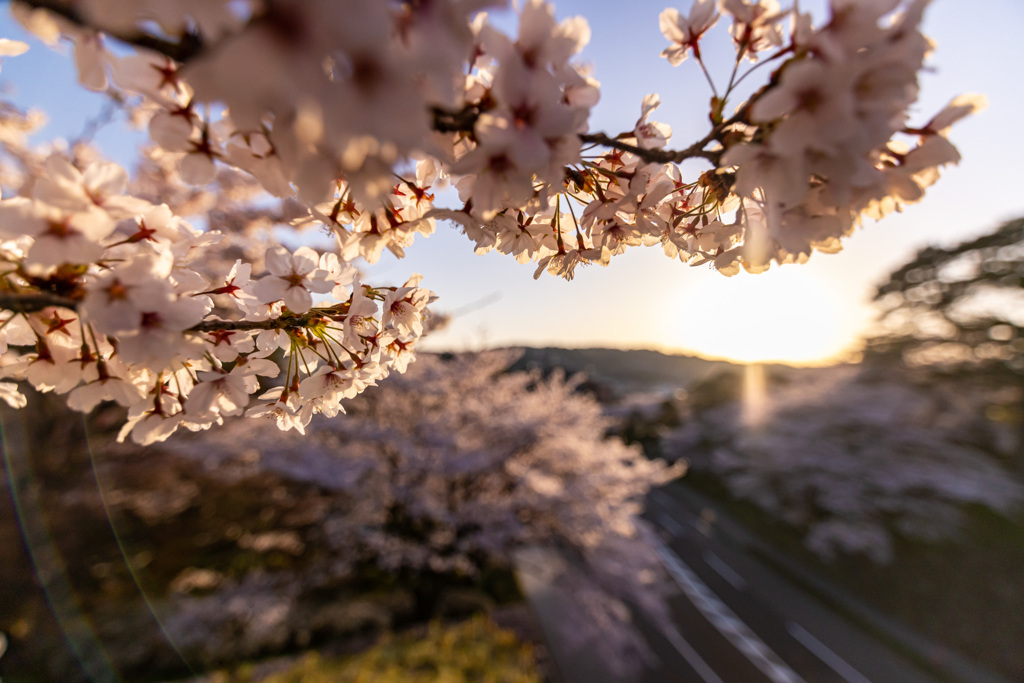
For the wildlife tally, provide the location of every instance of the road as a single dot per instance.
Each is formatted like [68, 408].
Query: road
[736, 621]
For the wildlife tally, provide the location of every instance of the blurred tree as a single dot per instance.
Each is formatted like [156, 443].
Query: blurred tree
[959, 310]
[957, 307]
[451, 469]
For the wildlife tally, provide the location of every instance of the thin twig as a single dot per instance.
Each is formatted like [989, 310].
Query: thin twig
[657, 156]
[106, 115]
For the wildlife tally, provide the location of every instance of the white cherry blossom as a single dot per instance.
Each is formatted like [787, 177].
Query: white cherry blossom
[685, 32]
[349, 116]
[294, 278]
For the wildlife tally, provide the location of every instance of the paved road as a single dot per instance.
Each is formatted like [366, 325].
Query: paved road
[736, 621]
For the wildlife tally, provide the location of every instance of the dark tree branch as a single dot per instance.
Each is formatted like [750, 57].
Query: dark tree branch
[283, 323]
[185, 48]
[461, 121]
[655, 156]
[33, 302]
[189, 45]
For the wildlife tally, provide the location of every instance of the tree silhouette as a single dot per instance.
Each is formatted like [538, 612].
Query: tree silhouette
[958, 307]
[961, 310]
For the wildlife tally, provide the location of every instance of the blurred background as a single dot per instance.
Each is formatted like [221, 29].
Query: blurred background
[651, 473]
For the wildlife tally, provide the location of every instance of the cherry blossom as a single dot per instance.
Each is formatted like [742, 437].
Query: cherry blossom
[293, 278]
[11, 396]
[221, 393]
[685, 32]
[348, 117]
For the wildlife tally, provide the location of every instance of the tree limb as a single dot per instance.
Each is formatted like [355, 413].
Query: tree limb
[190, 45]
[655, 156]
[187, 46]
[463, 121]
[33, 302]
[282, 323]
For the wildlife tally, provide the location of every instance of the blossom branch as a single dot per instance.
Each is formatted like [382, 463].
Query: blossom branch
[463, 120]
[23, 302]
[283, 323]
[190, 44]
[139, 273]
[185, 48]
[657, 156]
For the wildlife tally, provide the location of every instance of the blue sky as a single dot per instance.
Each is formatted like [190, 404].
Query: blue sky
[644, 300]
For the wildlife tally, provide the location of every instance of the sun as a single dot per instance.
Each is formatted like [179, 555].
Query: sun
[786, 314]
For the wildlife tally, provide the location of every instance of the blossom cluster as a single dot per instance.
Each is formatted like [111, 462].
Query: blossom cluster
[794, 169]
[348, 92]
[107, 301]
[354, 114]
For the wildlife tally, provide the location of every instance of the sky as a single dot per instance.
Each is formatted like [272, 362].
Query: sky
[801, 314]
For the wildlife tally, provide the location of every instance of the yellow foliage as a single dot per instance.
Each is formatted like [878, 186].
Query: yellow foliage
[474, 651]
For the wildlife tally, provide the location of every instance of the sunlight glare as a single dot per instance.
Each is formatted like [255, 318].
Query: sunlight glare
[755, 395]
[786, 315]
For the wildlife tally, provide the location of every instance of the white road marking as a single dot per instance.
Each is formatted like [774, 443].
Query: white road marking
[692, 658]
[678, 512]
[822, 652]
[668, 503]
[725, 620]
[670, 524]
[724, 570]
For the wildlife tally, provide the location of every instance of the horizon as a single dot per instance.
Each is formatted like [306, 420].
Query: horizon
[852, 358]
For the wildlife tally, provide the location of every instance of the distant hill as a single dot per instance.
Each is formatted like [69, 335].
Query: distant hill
[627, 370]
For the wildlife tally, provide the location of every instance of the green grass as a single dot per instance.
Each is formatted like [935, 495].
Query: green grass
[473, 651]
